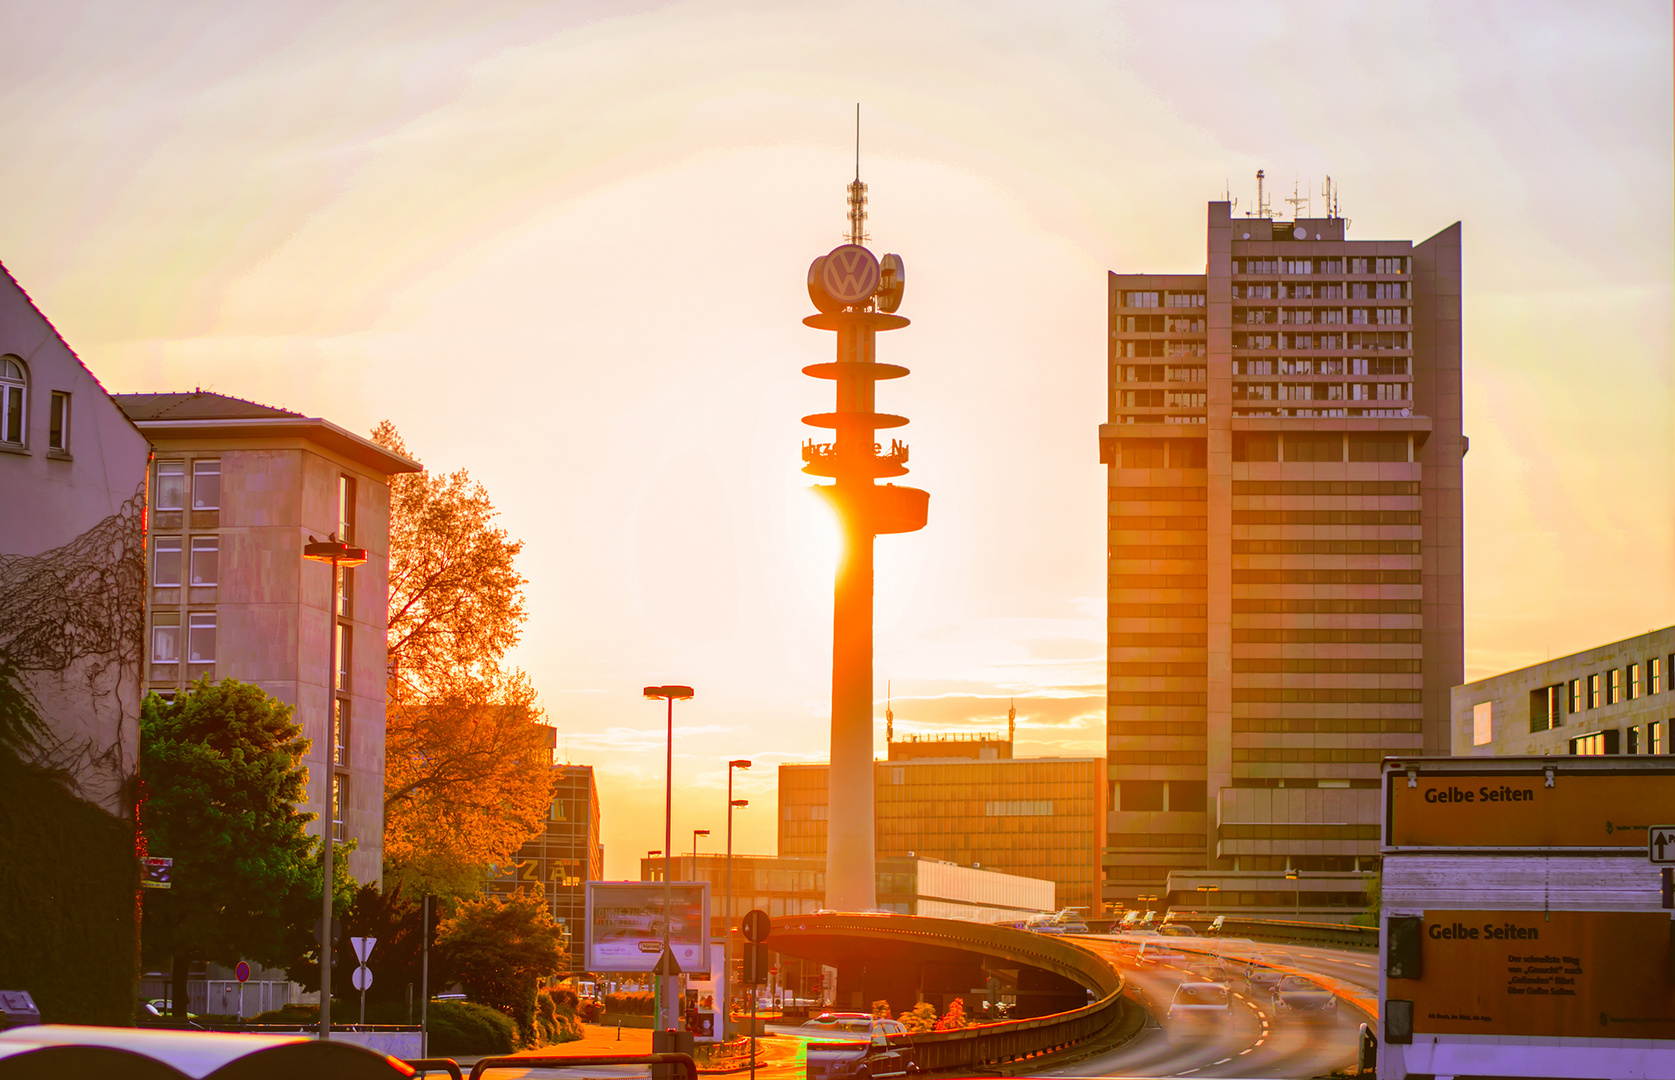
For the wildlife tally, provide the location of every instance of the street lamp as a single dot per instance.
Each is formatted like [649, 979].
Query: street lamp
[727, 920]
[671, 694]
[695, 834]
[339, 554]
[1207, 890]
[1297, 894]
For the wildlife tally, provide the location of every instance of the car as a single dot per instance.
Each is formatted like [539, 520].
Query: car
[1200, 999]
[857, 1024]
[887, 1050]
[1176, 930]
[1210, 973]
[1159, 951]
[1299, 998]
[1262, 979]
[163, 1007]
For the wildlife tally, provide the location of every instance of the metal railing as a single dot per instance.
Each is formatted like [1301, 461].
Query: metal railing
[988, 1044]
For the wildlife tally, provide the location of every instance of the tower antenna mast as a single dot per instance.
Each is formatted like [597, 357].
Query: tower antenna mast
[857, 191]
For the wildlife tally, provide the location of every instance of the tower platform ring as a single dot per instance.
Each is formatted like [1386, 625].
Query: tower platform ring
[871, 320]
[873, 371]
[871, 420]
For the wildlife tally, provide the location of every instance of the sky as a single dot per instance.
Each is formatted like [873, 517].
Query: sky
[563, 246]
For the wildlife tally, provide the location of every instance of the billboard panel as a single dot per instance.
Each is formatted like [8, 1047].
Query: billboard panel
[625, 925]
[1568, 974]
[1506, 808]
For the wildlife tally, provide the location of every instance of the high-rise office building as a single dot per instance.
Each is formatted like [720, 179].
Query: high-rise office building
[1284, 461]
[563, 857]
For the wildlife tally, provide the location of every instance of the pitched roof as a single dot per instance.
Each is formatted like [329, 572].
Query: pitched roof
[197, 405]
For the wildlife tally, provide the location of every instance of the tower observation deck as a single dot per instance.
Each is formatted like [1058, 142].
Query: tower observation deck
[857, 295]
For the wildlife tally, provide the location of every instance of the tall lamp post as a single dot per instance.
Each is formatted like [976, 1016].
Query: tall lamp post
[671, 694]
[727, 920]
[339, 554]
[695, 834]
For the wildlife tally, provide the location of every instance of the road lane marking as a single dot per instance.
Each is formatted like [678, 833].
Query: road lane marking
[1247, 1049]
[1223, 1061]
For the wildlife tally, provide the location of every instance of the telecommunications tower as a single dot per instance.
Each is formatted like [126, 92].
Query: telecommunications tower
[857, 296]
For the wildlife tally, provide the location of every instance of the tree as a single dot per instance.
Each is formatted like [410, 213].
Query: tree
[954, 1019]
[501, 947]
[221, 774]
[467, 756]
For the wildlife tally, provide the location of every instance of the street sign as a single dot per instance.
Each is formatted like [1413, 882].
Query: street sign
[362, 978]
[1660, 845]
[363, 947]
[1496, 806]
[242, 972]
[155, 873]
[756, 925]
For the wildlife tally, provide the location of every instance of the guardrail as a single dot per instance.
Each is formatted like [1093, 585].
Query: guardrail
[1294, 933]
[683, 1061]
[1008, 1040]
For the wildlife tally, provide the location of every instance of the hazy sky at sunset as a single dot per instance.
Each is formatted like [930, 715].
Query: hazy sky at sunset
[563, 246]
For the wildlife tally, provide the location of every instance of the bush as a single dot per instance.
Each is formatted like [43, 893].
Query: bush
[881, 1009]
[954, 1019]
[456, 1027]
[555, 1016]
[922, 1017]
[630, 1003]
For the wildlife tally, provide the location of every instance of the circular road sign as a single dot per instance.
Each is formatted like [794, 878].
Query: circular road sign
[362, 978]
[755, 925]
[242, 972]
[850, 274]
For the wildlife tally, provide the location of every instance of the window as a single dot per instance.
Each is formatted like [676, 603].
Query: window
[346, 592]
[13, 388]
[340, 733]
[1588, 745]
[1654, 737]
[1140, 794]
[165, 639]
[1140, 299]
[171, 485]
[1187, 796]
[1143, 453]
[200, 637]
[1633, 681]
[206, 484]
[1482, 723]
[1575, 695]
[165, 562]
[1613, 686]
[1654, 675]
[1547, 708]
[343, 651]
[206, 559]
[1254, 447]
[346, 509]
[58, 422]
[1633, 739]
[1593, 691]
[1312, 447]
[340, 796]
[1387, 266]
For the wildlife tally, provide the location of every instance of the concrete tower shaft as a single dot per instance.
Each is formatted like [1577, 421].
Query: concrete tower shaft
[849, 293]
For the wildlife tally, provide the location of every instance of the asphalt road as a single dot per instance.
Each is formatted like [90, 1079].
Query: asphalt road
[1249, 1043]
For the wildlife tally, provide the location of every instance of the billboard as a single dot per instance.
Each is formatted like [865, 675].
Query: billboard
[625, 925]
[1519, 808]
[1568, 974]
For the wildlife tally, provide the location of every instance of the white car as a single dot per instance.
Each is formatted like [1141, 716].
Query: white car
[1200, 1000]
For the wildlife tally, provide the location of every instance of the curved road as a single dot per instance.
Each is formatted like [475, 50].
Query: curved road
[1249, 1043]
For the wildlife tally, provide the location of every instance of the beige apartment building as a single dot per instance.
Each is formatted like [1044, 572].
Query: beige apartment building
[237, 489]
[1284, 461]
[1611, 699]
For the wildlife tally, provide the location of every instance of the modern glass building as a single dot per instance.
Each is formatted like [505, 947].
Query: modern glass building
[563, 857]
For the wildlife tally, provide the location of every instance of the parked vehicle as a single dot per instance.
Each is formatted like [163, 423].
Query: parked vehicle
[1298, 998]
[886, 1051]
[1203, 1000]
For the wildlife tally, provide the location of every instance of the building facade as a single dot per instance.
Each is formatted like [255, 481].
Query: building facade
[968, 801]
[1284, 466]
[72, 610]
[563, 857]
[237, 490]
[1614, 699]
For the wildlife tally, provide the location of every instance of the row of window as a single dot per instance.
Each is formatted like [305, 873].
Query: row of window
[1141, 349]
[1185, 453]
[1323, 413]
[1309, 391]
[1137, 669]
[1155, 697]
[1322, 316]
[1159, 324]
[1157, 523]
[1158, 611]
[170, 492]
[1325, 290]
[1185, 796]
[1325, 487]
[1159, 373]
[1333, 695]
[1325, 365]
[1323, 665]
[1133, 840]
[1335, 264]
[1361, 341]
[1550, 704]
[1320, 755]
[1157, 641]
[1159, 551]
[1159, 298]
[1297, 636]
[191, 636]
[1328, 725]
[1155, 757]
[1161, 399]
[1325, 577]
[14, 410]
[1306, 831]
[1321, 446]
[1334, 606]
[1325, 517]
[1159, 581]
[1185, 729]
[169, 557]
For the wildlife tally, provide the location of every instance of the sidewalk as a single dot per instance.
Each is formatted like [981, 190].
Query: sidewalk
[600, 1041]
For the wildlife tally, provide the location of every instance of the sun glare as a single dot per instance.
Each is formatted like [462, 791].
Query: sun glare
[816, 540]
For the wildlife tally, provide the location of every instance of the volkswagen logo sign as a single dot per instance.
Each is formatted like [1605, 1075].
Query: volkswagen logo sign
[850, 274]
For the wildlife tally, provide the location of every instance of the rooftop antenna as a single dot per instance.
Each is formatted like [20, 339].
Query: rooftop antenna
[1261, 199]
[1012, 721]
[1298, 201]
[857, 191]
[1329, 193]
[889, 716]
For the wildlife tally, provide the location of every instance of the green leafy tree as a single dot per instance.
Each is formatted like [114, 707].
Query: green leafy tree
[221, 773]
[501, 948]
